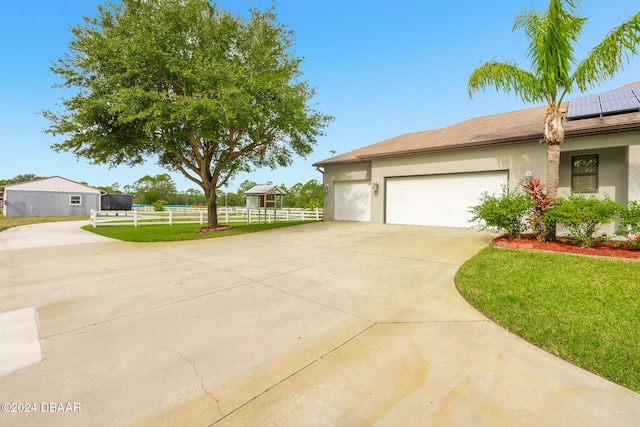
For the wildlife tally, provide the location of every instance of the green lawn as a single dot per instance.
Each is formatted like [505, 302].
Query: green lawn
[584, 310]
[169, 233]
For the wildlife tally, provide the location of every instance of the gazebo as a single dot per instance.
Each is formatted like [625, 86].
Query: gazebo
[263, 197]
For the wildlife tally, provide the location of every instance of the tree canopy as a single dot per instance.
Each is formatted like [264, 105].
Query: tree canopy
[207, 93]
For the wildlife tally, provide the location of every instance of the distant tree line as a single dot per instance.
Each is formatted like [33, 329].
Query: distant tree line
[19, 178]
[151, 189]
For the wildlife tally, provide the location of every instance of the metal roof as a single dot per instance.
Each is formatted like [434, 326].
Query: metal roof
[265, 189]
[56, 184]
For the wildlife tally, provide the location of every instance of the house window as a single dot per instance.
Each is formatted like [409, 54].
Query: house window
[75, 200]
[584, 173]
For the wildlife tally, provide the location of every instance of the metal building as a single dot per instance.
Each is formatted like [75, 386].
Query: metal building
[54, 196]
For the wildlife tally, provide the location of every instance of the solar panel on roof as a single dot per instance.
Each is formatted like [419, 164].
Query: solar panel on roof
[584, 107]
[619, 101]
[605, 104]
[589, 99]
[616, 94]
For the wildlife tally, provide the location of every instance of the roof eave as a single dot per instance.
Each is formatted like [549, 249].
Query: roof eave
[456, 147]
[332, 162]
[612, 128]
[537, 137]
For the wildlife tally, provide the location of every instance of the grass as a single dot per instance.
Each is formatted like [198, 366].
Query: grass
[584, 310]
[14, 222]
[172, 233]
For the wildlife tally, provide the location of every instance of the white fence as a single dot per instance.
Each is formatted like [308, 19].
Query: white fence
[172, 216]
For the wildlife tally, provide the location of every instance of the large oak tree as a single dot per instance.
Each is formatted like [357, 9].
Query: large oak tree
[207, 93]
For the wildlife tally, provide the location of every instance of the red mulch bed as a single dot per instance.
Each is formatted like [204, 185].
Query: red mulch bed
[607, 249]
[214, 228]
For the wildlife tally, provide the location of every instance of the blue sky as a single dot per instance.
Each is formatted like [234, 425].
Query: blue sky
[382, 68]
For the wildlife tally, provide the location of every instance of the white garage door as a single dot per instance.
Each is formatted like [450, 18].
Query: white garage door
[352, 201]
[439, 200]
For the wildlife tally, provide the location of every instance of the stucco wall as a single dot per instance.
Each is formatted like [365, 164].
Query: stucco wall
[633, 167]
[352, 172]
[612, 172]
[515, 159]
[619, 167]
[619, 164]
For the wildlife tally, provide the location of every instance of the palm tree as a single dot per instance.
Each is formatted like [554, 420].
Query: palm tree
[554, 71]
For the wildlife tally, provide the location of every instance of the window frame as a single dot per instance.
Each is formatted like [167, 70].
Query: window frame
[575, 174]
[71, 200]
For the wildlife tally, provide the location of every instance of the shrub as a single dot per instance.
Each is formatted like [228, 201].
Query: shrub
[505, 212]
[584, 215]
[542, 223]
[630, 219]
[159, 205]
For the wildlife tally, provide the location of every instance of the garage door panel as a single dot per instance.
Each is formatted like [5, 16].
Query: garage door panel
[438, 200]
[352, 201]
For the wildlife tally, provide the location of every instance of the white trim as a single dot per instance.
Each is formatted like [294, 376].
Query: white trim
[72, 197]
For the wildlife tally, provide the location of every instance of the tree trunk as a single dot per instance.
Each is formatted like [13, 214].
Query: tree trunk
[553, 137]
[553, 169]
[212, 211]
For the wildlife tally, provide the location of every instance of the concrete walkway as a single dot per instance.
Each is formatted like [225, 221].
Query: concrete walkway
[327, 324]
[48, 234]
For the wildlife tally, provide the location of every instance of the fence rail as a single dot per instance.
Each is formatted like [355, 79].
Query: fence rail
[138, 217]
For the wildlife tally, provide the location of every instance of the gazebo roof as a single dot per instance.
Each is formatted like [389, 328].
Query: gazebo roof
[264, 189]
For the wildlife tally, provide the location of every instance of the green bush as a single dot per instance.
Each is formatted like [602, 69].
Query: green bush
[584, 215]
[159, 205]
[505, 212]
[630, 219]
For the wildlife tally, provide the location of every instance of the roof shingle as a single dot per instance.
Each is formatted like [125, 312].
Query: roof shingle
[498, 129]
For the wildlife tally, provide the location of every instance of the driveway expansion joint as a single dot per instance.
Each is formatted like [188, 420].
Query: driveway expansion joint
[295, 373]
[84, 329]
[315, 302]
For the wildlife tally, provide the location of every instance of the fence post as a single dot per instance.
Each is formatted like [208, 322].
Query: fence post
[135, 217]
[170, 217]
[226, 215]
[92, 218]
[248, 216]
[201, 217]
[317, 215]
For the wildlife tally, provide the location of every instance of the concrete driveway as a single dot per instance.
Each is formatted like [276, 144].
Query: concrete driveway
[326, 324]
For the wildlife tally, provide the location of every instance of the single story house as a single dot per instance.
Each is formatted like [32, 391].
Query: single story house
[54, 196]
[433, 177]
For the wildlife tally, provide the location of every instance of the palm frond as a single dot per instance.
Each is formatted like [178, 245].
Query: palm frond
[506, 77]
[609, 57]
[552, 35]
